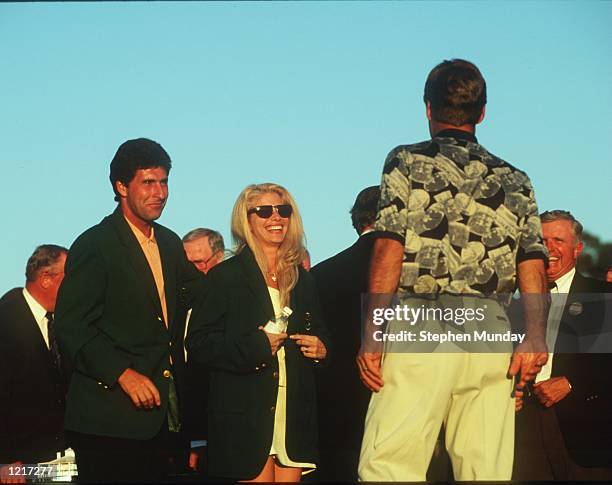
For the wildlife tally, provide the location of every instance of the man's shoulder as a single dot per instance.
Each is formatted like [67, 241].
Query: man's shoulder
[226, 269]
[12, 305]
[167, 234]
[98, 231]
[460, 152]
[426, 147]
[11, 295]
[347, 258]
[587, 284]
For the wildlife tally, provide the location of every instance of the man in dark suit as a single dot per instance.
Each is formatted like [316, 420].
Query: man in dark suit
[564, 431]
[127, 280]
[342, 398]
[204, 249]
[32, 383]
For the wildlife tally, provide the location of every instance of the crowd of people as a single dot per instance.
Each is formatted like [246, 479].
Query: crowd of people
[153, 358]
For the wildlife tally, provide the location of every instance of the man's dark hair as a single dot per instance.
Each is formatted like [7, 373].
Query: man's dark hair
[364, 209]
[456, 92]
[43, 257]
[563, 215]
[134, 155]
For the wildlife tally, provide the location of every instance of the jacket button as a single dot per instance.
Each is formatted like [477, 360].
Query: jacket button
[263, 364]
[159, 318]
[275, 374]
[273, 409]
[167, 374]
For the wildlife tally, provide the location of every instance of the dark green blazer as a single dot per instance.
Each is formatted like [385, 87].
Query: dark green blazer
[109, 318]
[224, 335]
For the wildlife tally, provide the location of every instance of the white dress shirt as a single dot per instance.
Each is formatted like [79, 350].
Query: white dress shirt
[559, 297]
[40, 314]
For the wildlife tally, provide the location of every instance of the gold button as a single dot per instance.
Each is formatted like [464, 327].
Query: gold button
[159, 318]
[275, 374]
[273, 409]
[256, 368]
[167, 373]
[263, 364]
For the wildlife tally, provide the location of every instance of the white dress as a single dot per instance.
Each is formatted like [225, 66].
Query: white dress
[280, 416]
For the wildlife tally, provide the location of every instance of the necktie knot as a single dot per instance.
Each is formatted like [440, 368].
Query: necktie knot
[552, 285]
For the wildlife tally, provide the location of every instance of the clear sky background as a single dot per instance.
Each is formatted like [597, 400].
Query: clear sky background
[309, 95]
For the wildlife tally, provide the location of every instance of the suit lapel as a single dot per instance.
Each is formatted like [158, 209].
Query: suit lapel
[294, 303]
[31, 331]
[136, 257]
[580, 319]
[169, 270]
[256, 281]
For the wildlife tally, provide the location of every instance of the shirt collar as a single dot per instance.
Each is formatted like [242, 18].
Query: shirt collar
[564, 282]
[142, 239]
[458, 134]
[37, 309]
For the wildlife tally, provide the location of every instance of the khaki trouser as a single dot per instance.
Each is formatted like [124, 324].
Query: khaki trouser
[469, 392]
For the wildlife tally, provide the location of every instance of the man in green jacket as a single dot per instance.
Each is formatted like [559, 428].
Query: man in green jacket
[120, 326]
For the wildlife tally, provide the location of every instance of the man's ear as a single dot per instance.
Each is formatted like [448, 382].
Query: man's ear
[428, 110]
[482, 115]
[121, 188]
[45, 280]
[578, 249]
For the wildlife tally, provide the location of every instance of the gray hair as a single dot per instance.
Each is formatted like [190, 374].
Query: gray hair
[44, 256]
[561, 215]
[215, 239]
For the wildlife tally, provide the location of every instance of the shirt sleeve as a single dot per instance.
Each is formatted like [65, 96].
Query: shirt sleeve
[391, 218]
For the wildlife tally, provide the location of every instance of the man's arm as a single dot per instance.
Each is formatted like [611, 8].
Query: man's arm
[80, 306]
[385, 271]
[529, 357]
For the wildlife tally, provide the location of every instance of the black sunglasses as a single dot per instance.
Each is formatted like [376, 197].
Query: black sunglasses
[265, 211]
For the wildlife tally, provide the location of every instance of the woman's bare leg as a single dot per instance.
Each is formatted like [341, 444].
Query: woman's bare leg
[286, 473]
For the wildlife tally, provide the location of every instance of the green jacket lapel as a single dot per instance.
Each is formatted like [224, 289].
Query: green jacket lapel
[136, 257]
[256, 281]
[169, 270]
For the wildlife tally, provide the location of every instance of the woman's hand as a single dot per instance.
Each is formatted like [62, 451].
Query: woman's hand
[276, 340]
[310, 345]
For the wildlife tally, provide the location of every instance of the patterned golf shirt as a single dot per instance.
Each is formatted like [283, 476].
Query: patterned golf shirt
[466, 217]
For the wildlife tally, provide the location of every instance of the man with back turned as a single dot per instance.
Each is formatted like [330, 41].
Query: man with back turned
[453, 221]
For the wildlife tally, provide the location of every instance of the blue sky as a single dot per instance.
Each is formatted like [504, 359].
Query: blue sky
[310, 95]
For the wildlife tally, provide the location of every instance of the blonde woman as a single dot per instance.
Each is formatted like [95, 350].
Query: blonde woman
[262, 407]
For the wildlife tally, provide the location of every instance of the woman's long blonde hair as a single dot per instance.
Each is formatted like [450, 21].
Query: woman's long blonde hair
[292, 250]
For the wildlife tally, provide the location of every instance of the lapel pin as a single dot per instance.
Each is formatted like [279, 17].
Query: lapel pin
[575, 308]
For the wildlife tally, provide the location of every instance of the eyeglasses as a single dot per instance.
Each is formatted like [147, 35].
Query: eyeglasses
[206, 261]
[265, 211]
[203, 264]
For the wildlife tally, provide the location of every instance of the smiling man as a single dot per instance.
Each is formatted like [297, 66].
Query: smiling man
[120, 315]
[564, 431]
